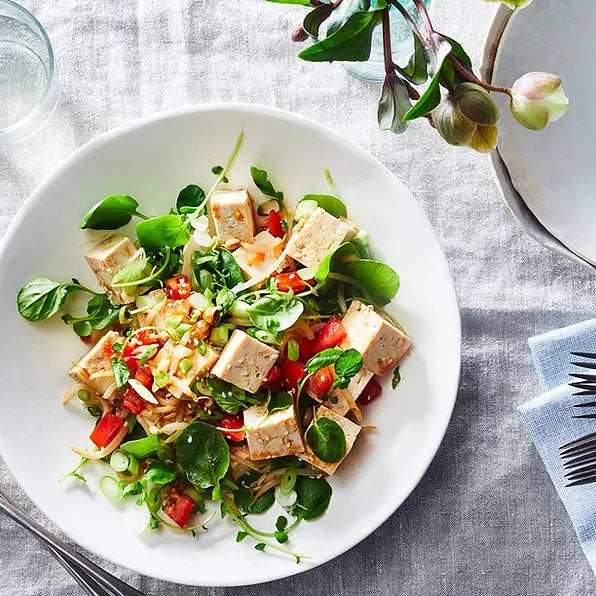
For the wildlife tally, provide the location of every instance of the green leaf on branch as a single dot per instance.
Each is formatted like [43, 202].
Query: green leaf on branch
[393, 105]
[111, 213]
[166, 230]
[327, 440]
[350, 43]
[315, 18]
[381, 281]
[417, 69]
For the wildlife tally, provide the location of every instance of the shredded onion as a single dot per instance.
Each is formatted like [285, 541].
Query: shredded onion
[101, 453]
[155, 311]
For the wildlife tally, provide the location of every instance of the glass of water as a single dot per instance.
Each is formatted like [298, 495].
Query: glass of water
[28, 82]
[402, 44]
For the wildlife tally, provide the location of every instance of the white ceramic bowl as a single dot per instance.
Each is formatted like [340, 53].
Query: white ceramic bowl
[152, 159]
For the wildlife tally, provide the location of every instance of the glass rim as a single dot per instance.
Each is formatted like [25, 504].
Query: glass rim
[44, 105]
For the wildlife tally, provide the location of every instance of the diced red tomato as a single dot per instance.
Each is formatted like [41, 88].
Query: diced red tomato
[178, 287]
[290, 282]
[293, 372]
[273, 224]
[107, 428]
[179, 508]
[305, 349]
[232, 422]
[144, 376]
[133, 402]
[143, 338]
[273, 379]
[329, 336]
[370, 392]
[320, 383]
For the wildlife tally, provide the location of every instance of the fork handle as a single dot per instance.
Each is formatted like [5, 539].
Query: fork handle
[85, 581]
[106, 580]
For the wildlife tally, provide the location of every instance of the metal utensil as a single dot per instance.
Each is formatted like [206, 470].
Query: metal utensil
[94, 580]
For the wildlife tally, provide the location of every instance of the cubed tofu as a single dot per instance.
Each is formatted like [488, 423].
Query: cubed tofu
[106, 259]
[345, 399]
[351, 431]
[95, 369]
[380, 343]
[233, 215]
[245, 361]
[171, 354]
[315, 236]
[258, 266]
[276, 435]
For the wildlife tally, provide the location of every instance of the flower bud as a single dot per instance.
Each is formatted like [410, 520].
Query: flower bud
[513, 4]
[537, 99]
[299, 34]
[468, 117]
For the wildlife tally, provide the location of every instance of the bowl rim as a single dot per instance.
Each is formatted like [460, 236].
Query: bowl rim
[451, 384]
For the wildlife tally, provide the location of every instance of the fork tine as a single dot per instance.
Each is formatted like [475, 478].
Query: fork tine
[584, 376]
[583, 385]
[591, 365]
[588, 404]
[587, 392]
[585, 416]
[579, 442]
[580, 460]
[589, 470]
[587, 480]
[584, 354]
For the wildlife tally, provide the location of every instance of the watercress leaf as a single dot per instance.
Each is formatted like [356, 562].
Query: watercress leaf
[381, 281]
[323, 359]
[275, 312]
[111, 213]
[121, 372]
[229, 268]
[351, 42]
[242, 535]
[163, 231]
[331, 204]
[313, 496]
[134, 271]
[42, 297]
[282, 523]
[326, 439]
[244, 500]
[230, 398]
[101, 311]
[348, 364]
[82, 328]
[262, 182]
[393, 105]
[260, 546]
[335, 260]
[159, 473]
[190, 196]
[203, 454]
[315, 18]
[416, 70]
[279, 400]
[396, 378]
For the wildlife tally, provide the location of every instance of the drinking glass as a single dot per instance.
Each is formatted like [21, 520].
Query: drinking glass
[28, 82]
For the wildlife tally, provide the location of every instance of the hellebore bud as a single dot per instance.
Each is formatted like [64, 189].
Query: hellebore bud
[537, 99]
[468, 117]
[299, 34]
[513, 4]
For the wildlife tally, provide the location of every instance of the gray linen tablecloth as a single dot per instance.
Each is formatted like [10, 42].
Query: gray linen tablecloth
[485, 520]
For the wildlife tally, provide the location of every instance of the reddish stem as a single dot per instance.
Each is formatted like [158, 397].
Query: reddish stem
[470, 76]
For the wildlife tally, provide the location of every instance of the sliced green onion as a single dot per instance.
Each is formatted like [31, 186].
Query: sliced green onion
[304, 209]
[194, 317]
[160, 378]
[148, 353]
[111, 489]
[199, 301]
[94, 410]
[219, 336]
[239, 309]
[267, 206]
[119, 461]
[185, 365]
[174, 321]
[264, 336]
[144, 303]
[202, 347]
[288, 480]
[124, 316]
[141, 448]
[133, 465]
[285, 499]
[293, 350]
[83, 395]
[200, 387]
[183, 328]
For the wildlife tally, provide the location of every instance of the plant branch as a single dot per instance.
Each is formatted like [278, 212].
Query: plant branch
[406, 15]
[470, 76]
[420, 6]
[388, 56]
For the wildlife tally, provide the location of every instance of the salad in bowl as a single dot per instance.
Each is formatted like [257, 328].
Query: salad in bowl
[232, 348]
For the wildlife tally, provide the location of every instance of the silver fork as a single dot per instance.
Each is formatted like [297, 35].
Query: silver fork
[92, 579]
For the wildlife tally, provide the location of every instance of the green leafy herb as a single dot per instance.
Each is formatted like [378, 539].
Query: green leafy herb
[396, 378]
[262, 182]
[326, 439]
[189, 198]
[347, 366]
[260, 546]
[275, 312]
[121, 372]
[163, 231]
[217, 170]
[230, 398]
[221, 264]
[282, 523]
[138, 269]
[42, 297]
[141, 448]
[336, 261]
[74, 473]
[159, 473]
[242, 535]
[331, 204]
[247, 505]
[203, 454]
[111, 213]
[323, 359]
[279, 400]
[314, 495]
[100, 314]
[381, 281]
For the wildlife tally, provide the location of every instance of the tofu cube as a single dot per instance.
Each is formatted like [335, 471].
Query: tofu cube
[315, 236]
[245, 361]
[233, 215]
[106, 259]
[258, 266]
[171, 355]
[351, 431]
[276, 435]
[95, 369]
[380, 343]
[343, 401]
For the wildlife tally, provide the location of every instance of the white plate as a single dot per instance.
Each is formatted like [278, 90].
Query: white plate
[151, 160]
[553, 170]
